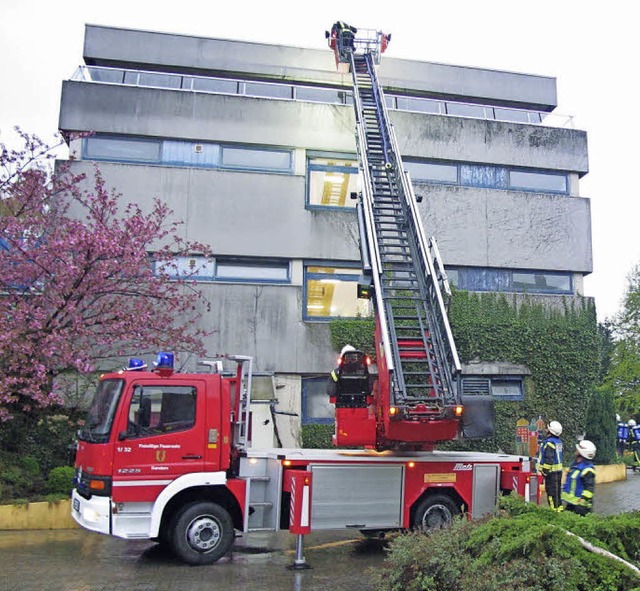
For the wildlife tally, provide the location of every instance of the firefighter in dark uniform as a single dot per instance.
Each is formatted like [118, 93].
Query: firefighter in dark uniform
[344, 35]
[581, 480]
[622, 434]
[550, 464]
[634, 443]
[334, 376]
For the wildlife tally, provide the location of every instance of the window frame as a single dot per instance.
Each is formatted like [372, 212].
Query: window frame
[213, 264]
[506, 276]
[491, 382]
[306, 275]
[305, 417]
[311, 167]
[215, 152]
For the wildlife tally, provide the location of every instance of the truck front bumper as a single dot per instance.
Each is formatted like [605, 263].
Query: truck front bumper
[93, 514]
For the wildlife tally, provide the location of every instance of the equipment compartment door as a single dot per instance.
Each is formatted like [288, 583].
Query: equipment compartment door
[356, 495]
[486, 486]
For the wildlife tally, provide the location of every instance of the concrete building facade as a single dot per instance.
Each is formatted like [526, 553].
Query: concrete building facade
[253, 148]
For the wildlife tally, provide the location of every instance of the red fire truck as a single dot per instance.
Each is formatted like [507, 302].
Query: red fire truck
[167, 456]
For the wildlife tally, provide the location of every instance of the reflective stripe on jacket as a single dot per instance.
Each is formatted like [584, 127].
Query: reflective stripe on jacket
[635, 433]
[580, 483]
[550, 455]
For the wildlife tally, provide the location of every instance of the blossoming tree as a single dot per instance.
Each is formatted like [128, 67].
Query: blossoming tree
[82, 277]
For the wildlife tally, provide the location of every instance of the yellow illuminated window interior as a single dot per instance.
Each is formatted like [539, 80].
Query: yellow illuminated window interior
[331, 182]
[332, 292]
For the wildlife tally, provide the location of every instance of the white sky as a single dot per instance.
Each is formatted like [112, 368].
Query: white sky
[592, 48]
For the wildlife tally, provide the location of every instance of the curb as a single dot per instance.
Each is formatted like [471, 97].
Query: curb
[41, 515]
[611, 473]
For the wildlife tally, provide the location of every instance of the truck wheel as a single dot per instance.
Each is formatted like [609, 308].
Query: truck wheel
[434, 512]
[202, 533]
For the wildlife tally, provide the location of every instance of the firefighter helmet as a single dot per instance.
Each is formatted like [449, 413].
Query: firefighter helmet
[555, 428]
[618, 418]
[346, 349]
[586, 449]
[631, 423]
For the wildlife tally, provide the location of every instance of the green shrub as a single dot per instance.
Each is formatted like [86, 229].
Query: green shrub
[60, 481]
[525, 548]
[601, 425]
[316, 436]
[30, 465]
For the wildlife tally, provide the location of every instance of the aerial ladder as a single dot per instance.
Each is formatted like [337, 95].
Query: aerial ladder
[416, 401]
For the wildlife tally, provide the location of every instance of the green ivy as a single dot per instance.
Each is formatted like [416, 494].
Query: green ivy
[559, 347]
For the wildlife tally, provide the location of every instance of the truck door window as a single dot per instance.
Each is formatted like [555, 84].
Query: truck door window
[155, 410]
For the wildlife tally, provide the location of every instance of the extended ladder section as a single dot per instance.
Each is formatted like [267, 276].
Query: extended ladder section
[407, 274]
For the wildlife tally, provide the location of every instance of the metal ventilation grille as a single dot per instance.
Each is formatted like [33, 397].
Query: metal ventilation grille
[476, 387]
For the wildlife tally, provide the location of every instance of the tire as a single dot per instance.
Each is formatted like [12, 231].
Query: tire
[434, 512]
[202, 533]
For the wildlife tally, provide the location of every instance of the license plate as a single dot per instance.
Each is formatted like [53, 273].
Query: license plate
[76, 505]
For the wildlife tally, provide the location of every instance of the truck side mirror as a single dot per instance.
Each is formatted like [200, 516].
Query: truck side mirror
[122, 435]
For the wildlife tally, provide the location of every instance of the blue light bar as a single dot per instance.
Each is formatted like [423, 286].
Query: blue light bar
[164, 360]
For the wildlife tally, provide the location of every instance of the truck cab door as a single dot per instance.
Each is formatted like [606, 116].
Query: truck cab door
[160, 437]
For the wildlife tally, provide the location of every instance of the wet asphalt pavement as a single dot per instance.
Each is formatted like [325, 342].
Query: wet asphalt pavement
[77, 560]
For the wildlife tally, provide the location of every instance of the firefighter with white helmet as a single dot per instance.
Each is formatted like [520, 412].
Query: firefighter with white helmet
[580, 483]
[550, 464]
[351, 377]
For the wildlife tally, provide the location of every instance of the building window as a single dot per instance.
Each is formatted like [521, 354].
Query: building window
[432, 171]
[153, 79]
[499, 387]
[419, 105]
[256, 159]
[538, 181]
[320, 95]
[306, 93]
[215, 85]
[485, 279]
[332, 292]
[183, 153]
[486, 176]
[330, 181]
[464, 110]
[122, 149]
[238, 270]
[316, 407]
[475, 175]
[268, 90]
[200, 268]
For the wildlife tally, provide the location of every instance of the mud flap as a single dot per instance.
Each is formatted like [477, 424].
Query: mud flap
[478, 419]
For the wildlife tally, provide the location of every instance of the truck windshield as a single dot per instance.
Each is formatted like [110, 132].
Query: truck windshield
[99, 421]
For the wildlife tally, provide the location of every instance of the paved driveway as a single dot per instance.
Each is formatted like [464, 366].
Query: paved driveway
[77, 560]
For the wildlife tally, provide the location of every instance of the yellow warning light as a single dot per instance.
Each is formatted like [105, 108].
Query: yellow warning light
[411, 465]
[286, 462]
[393, 411]
[458, 410]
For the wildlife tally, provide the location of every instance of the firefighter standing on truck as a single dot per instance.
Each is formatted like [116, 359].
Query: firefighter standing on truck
[581, 480]
[550, 464]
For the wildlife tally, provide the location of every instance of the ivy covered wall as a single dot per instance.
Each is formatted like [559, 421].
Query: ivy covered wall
[559, 346]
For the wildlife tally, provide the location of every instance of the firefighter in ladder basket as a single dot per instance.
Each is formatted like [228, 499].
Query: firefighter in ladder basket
[350, 382]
